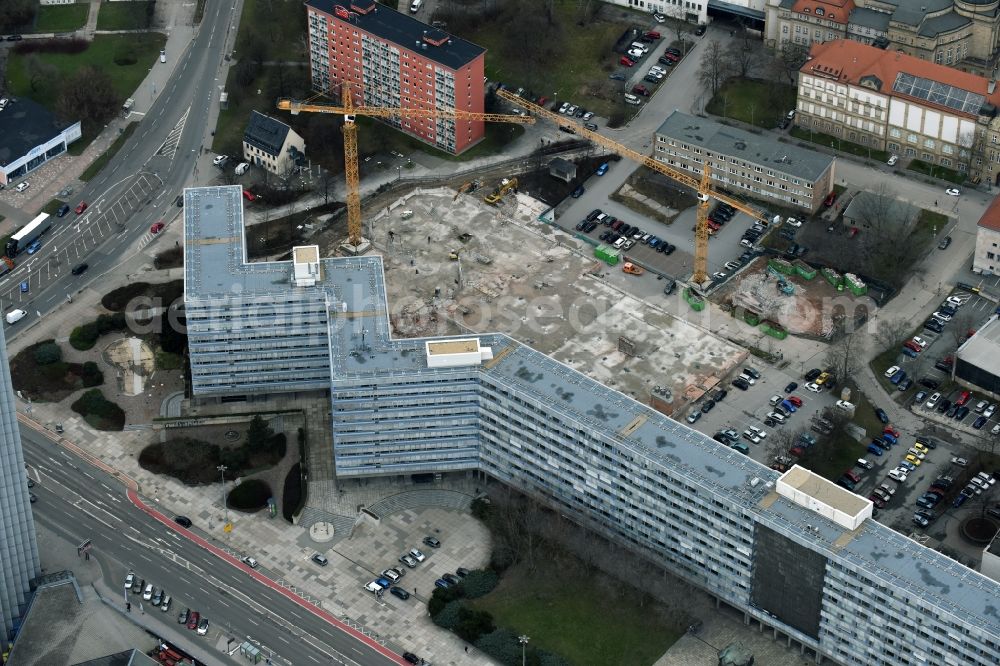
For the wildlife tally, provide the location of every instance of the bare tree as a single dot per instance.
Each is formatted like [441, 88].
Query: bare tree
[715, 67]
[892, 332]
[790, 59]
[843, 357]
[961, 324]
[885, 221]
[682, 30]
[743, 54]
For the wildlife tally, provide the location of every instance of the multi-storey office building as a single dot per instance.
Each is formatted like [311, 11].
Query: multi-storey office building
[393, 60]
[794, 552]
[895, 102]
[740, 161]
[18, 549]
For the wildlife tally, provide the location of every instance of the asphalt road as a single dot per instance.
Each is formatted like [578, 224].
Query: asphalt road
[79, 502]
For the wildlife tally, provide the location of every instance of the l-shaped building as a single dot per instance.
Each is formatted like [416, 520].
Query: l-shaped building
[794, 552]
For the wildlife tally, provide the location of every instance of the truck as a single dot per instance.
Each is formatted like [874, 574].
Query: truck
[632, 269]
[128, 106]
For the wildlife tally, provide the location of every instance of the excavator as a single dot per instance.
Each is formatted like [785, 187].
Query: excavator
[505, 186]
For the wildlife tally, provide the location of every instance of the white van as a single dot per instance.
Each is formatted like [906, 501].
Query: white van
[15, 316]
[241, 168]
[415, 6]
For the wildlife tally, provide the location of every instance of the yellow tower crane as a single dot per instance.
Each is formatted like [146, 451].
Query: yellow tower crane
[703, 185]
[349, 111]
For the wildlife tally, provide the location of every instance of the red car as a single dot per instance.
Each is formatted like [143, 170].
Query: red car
[193, 620]
[877, 501]
[830, 198]
[248, 195]
[713, 225]
[156, 228]
[628, 62]
[964, 398]
[81, 207]
[652, 34]
[673, 57]
[913, 346]
[889, 430]
[797, 451]
[641, 90]
[795, 400]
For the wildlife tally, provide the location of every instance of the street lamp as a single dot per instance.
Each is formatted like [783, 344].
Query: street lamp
[222, 470]
[523, 640]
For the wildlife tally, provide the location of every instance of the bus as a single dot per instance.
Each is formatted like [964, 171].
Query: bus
[28, 235]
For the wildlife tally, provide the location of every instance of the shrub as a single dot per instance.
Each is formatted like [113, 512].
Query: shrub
[481, 509]
[501, 558]
[441, 597]
[473, 623]
[167, 360]
[91, 374]
[292, 497]
[450, 615]
[171, 339]
[117, 299]
[502, 645]
[189, 460]
[171, 258]
[249, 496]
[479, 583]
[84, 337]
[47, 353]
[98, 411]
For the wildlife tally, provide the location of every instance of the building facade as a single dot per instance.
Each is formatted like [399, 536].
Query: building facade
[792, 552]
[744, 162]
[272, 145]
[18, 550]
[977, 360]
[986, 258]
[959, 33]
[894, 102]
[393, 60]
[30, 136]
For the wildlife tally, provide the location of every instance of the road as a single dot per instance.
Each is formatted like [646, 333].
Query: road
[79, 502]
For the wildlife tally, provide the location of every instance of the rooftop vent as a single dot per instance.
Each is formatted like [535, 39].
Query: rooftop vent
[740, 145]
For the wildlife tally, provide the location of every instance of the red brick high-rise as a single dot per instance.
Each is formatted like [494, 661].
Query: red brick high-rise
[393, 60]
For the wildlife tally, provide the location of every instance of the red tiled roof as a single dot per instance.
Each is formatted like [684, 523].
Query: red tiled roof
[836, 11]
[991, 216]
[848, 61]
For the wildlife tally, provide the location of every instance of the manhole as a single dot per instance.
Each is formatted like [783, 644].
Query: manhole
[232, 435]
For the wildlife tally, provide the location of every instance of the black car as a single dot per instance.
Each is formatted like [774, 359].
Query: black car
[452, 578]
[410, 657]
[14, 38]
[183, 521]
[813, 374]
[80, 269]
[397, 591]
[791, 387]
[882, 416]
[945, 242]
[952, 411]
[462, 572]
[943, 365]
[432, 542]
[669, 249]
[929, 383]
[741, 384]
[933, 325]
[700, 30]
[719, 395]
[962, 412]
[179, 201]
[593, 214]
[708, 405]
[62, 210]
[787, 234]
[944, 405]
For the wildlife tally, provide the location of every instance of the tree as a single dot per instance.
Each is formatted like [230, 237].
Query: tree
[39, 72]
[843, 357]
[790, 59]
[714, 67]
[16, 13]
[742, 54]
[88, 94]
[884, 221]
[259, 433]
[892, 332]
[47, 353]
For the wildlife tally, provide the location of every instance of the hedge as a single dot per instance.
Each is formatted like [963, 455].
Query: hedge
[98, 411]
[84, 337]
[249, 496]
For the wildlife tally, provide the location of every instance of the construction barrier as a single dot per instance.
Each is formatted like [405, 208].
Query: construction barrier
[774, 329]
[696, 302]
[804, 270]
[780, 265]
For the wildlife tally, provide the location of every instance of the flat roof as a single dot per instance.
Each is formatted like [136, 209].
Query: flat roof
[467, 346]
[363, 350]
[405, 31]
[25, 124]
[762, 149]
[983, 349]
[303, 254]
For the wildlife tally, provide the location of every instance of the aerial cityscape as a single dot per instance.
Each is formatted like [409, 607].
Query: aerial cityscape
[609, 333]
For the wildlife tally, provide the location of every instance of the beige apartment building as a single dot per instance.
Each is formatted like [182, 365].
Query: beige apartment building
[745, 163]
[891, 101]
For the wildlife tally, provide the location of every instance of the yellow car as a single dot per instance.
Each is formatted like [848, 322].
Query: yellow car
[920, 447]
[822, 378]
[913, 460]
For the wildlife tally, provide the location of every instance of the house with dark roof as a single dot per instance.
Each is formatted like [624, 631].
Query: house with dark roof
[272, 145]
[893, 102]
[30, 136]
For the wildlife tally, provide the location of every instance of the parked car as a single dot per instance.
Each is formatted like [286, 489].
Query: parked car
[882, 416]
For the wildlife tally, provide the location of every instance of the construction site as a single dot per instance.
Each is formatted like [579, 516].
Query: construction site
[455, 264]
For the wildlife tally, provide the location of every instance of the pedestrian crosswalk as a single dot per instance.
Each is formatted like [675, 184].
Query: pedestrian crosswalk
[169, 147]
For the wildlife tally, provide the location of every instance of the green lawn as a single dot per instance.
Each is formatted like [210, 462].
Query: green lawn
[584, 622]
[936, 171]
[281, 26]
[61, 18]
[829, 460]
[760, 103]
[101, 54]
[839, 144]
[98, 164]
[123, 15]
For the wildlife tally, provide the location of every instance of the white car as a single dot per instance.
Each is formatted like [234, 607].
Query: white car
[562, 109]
[892, 160]
[250, 562]
[941, 316]
[898, 475]
[920, 455]
[792, 222]
[995, 430]
[961, 462]
[955, 301]
[732, 265]
[814, 387]
[147, 594]
[417, 555]
[845, 405]
[635, 54]
[658, 69]
[891, 371]
[718, 276]
[752, 436]
[219, 159]
[933, 401]
[3, 103]
[373, 587]
[632, 99]
[15, 316]
[659, 18]
[775, 416]
[953, 191]
[129, 580]
[758, 431]
[920, 342]
[392, 574]
[571, 110]
[865, 463]
[775, 399]
[22, 186]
